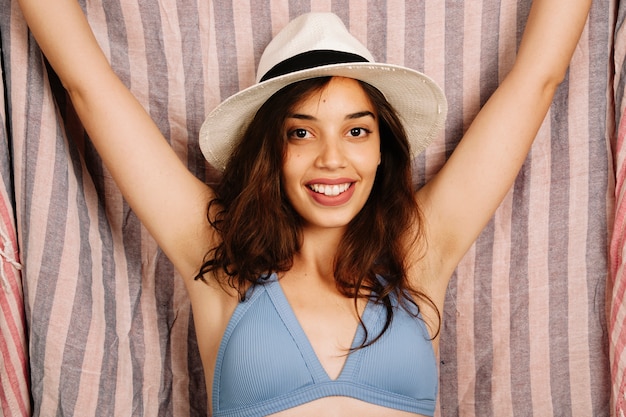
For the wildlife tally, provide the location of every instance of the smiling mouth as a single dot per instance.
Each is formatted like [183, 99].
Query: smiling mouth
[330, 190]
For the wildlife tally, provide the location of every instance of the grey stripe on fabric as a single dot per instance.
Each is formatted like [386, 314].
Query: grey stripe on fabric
[158, 93]
[341, 9]
[189, 22]
[132, 248]
[483, 327]
[298, 7]
[82, 303]
[6, 162]
[483, 271]
[6, 146]
[448, 360]
[620, 30]
[44, 293]
[261, 28]
[377, 29]
[455, 23]
[164, 295]
[519, 338]
[414, 29]
[414, 34]
[489, 47]
[33, 111]
[197, 385]
[558, 238]
[600, 163]
[53, 248]
[131, 238]
[453, 86]
[188, 16]
[117, 35]
[225, 43]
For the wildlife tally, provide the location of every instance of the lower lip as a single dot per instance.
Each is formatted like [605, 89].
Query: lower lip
[336, 200]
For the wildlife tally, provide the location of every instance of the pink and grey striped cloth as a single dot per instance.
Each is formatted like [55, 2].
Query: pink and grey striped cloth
[95, 321]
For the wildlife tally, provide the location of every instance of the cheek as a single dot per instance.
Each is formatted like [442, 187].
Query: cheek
[370, 159]
[291, 172]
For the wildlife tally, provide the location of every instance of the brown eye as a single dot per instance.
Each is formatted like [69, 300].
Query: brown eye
[358, 131]
[299, 134]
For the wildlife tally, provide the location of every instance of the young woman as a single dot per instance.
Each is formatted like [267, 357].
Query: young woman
[316, 276]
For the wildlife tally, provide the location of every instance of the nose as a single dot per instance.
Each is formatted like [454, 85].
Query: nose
[331, 154]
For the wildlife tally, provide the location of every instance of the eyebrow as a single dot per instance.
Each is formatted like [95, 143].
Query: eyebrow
[351, 116]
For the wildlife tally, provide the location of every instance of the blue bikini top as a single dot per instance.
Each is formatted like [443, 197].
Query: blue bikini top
[266, 364]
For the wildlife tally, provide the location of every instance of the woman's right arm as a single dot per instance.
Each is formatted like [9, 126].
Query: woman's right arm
[166, 197]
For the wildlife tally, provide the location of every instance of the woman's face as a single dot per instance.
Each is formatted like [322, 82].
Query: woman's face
[333, 152]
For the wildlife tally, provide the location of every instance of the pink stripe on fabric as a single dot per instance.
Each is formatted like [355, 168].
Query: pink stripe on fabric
[13, 375]
[153, 368]
[14, 396]
[466, 276]
[617, 325]
[321, 5]
[211, 71]
[180, 352]
[94, 348]
[500, 276]
[94, 10]
[15, 399]
[578, 308]
[358, 20]
[617, 320]
[173, 45]
[500, 312]
[396, 23]
[538, 273]
[43, 174]
[18, 45]
[244, 43]
[280, 15]
[617, 315]
[507, 37]
[466, 351]
[137, 52]
[434, 67]
[178, 125]
[471, 66]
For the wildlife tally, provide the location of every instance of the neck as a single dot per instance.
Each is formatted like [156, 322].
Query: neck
[316, 257]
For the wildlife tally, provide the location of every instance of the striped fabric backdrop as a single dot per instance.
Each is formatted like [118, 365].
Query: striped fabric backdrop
[109, 325]
[617, 315]
[14, 393]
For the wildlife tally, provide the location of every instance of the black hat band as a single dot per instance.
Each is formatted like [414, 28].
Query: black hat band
[311, 59]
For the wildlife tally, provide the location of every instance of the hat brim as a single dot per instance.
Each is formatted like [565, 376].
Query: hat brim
[419, 102]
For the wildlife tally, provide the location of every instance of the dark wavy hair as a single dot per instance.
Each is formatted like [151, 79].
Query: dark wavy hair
[261, 231]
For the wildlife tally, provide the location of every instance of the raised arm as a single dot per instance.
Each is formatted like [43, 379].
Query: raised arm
[462, 197]
[167, 198]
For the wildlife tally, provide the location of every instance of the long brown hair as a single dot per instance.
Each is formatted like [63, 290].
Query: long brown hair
[261, 231]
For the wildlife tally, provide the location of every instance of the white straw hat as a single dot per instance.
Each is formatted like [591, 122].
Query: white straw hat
[319, 45]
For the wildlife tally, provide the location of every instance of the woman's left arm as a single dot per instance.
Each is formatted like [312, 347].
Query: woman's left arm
[459, 201]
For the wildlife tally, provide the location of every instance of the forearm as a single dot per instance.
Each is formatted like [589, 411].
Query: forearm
[551, 35]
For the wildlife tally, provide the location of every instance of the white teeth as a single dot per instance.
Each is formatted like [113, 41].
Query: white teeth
[329, 190]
